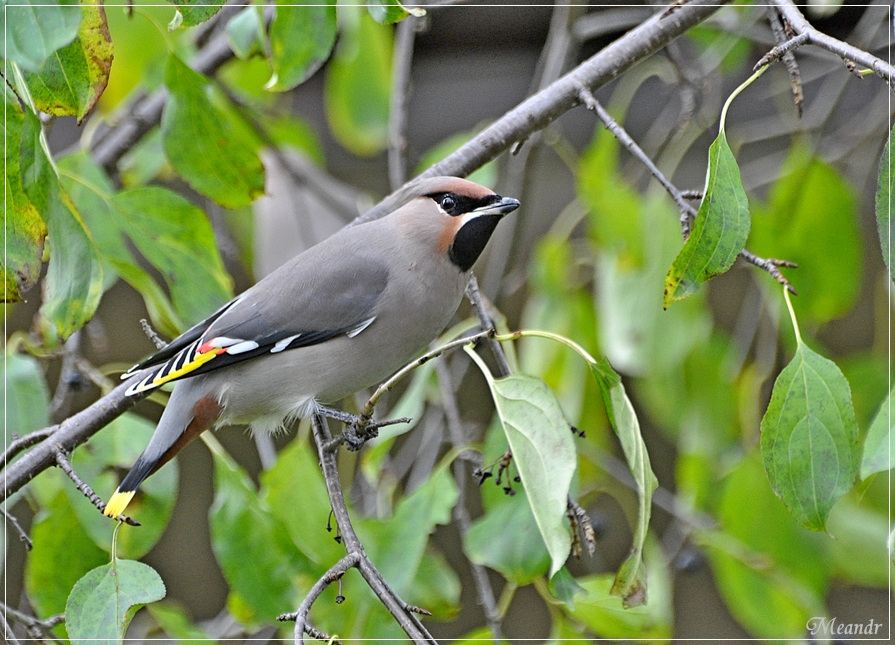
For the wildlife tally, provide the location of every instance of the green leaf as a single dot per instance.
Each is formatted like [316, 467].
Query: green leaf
[564, 587]
[876, 457]
[604, 614]
[203, 143]
[25, 229]
[358, 84]
[74, 281]
[177, 239]
[616, 215]
[175, 622]
[884, 196]
[62, 553]
[91, 191]
[244, 531]
[289, 130]
[387, 12]
[301, 39]
[771, 572]
[196, 11]
[412, 405]
[858, 555]
[245, 33]
[73, 78]
[630, 582]
[506, 538]
[543, 452]
[34, 30]
[104, 601]
[437, 586]
[719, 231]
[297, 468]
[398, 544]
[809, 437]
[811, 218]
[116, 448]
[25, 396]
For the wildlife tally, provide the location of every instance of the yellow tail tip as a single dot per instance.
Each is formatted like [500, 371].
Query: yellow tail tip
[118, 502]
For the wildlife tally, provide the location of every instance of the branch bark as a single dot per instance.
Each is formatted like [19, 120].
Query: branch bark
[538, 111]
[529, 116]
[400, 610]
[804, 30]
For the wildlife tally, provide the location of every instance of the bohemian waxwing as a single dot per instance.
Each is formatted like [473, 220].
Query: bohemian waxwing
[338, 318]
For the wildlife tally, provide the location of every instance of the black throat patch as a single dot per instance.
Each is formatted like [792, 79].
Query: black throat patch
[471, 239]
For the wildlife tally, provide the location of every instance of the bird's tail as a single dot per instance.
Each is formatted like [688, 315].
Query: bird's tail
[179, 425]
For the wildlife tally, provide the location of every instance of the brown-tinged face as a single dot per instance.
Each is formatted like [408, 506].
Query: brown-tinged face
[470, 214]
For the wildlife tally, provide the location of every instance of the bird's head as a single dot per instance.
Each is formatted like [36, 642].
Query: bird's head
[457, 216]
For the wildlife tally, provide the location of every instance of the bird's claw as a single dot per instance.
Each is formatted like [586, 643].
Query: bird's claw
[359, 429]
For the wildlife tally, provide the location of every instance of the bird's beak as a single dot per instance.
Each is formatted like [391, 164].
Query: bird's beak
[502, 207]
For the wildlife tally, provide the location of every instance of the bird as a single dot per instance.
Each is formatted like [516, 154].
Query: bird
[339, 317]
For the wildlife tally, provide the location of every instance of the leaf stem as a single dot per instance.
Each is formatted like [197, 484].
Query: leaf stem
[736, 92]
[546, 334]
[792, 315]
[115, 540]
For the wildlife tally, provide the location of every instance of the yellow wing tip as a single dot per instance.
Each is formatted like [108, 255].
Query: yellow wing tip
[118, 502]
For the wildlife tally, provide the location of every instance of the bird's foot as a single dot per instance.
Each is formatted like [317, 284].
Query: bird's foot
[358, 428]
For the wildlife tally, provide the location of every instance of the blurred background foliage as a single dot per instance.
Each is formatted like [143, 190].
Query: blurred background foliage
[286, 143]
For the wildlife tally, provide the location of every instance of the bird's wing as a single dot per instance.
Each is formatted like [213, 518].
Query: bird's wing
[275, 315]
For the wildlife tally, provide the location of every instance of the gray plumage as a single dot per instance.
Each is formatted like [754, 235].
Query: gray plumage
[340, 317]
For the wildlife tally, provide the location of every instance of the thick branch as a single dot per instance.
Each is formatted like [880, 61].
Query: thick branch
[538, 111]
[112, 144]
[67, 436]
[531, 115]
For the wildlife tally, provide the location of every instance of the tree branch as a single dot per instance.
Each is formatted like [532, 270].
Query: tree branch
[804, 30]
[538, 111]
[461, 514]
[771, 265]
[529, 116]
[405, 36]
[401, 611]
[67, 436]
[301, 614]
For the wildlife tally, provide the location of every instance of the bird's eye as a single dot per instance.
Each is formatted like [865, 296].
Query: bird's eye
[447, 203]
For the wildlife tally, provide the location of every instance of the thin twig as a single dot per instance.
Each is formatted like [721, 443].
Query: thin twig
[69, 377]
[300, 616]
[478, 305]
[686, 210]
[405, 36]
[152, 335]
[847, 52]
[366, 414]
[397, 607]
[33, 624]
[30, 439]
[772, 266]
[66, 467]
[484, 591]
[7, 631]
[23, 537]
[789, 60]
[782, 49]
